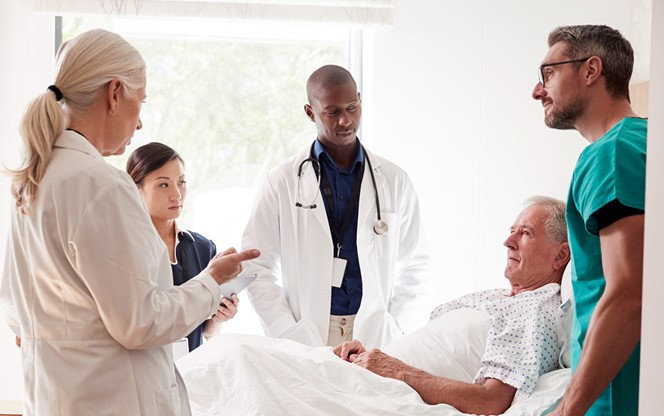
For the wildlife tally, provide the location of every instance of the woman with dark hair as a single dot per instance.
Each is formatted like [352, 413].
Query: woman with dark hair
[158, 171]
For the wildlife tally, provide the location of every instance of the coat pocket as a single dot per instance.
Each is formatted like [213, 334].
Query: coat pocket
[168, 401]
[384, 244]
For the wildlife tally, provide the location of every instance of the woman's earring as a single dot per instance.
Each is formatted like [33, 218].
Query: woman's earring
[112, 112]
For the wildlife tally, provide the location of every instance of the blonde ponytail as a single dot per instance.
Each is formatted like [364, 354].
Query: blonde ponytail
[43, 122]
[85, 65]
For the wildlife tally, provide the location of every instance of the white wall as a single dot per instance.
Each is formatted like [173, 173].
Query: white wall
[450, 102]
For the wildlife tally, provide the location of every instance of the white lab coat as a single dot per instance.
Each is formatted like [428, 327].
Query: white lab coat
[87, 285]
[296, 248]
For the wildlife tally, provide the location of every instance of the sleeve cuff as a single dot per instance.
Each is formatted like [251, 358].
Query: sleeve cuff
[206, 279]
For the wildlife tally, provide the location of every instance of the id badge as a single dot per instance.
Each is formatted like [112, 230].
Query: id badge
[338, 269]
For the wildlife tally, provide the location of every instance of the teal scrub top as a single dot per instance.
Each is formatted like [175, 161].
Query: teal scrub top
[612, 168]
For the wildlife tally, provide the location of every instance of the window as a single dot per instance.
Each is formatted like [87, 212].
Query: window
[229, 98]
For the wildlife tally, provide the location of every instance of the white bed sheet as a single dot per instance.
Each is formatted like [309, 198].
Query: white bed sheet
[250, 375]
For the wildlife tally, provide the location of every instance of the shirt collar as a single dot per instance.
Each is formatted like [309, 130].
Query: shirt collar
[70, 139]
[359, 153]
[181, 233]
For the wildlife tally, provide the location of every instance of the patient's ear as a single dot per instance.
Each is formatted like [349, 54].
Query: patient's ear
[562, 257]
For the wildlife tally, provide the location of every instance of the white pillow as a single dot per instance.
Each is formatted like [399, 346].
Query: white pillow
[450, 346]
[564, 332]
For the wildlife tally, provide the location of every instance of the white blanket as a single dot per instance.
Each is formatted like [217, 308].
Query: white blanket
[251, 375]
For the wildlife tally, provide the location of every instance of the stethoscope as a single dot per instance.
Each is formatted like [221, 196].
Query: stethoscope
[380, 227]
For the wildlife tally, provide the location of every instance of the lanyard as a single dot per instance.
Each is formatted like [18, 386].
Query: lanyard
[339, 230]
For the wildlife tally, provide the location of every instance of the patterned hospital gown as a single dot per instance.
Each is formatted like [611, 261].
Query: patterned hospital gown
[521, 344]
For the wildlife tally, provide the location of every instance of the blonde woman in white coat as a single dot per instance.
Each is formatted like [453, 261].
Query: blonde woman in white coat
[321, 284]
[87, 283]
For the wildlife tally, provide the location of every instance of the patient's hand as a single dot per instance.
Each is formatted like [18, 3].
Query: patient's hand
[18, 342]
[382, 364]
[349, 350]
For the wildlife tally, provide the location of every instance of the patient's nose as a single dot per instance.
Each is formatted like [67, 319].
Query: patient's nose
[509, 242]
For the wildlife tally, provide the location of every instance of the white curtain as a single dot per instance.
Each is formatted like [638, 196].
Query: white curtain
[354, 13]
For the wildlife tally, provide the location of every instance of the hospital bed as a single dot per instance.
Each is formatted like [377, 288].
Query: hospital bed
[250, 375]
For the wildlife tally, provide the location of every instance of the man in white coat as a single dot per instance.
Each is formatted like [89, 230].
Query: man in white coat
[341, 229]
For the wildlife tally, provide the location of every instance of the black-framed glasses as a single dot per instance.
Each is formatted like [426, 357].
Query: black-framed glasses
[545, 77]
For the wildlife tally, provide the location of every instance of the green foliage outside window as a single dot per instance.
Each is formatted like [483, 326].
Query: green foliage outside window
[233, 108]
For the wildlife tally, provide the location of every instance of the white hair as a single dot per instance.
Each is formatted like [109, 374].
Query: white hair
[555, 223]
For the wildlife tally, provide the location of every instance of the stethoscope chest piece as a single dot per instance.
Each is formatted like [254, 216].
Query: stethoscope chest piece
[380, 227]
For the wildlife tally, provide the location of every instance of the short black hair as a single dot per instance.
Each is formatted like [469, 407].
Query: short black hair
[328, 76]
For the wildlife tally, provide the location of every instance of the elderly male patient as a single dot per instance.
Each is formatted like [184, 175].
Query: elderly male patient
[480, 353]
[521, 342]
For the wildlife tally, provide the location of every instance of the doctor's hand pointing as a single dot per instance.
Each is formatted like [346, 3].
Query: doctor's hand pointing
[228, 264]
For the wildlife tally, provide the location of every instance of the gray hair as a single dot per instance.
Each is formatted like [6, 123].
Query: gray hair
[608, 44]
[85, 65]
[555, 223]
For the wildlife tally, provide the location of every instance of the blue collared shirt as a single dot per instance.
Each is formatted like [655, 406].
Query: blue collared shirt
[345, 299]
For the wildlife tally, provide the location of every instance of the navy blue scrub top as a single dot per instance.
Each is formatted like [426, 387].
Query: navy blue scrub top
[193, 253]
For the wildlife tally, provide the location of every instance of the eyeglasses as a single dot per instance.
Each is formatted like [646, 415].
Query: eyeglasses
[543, 78]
